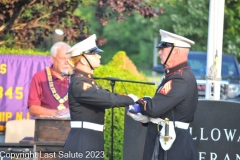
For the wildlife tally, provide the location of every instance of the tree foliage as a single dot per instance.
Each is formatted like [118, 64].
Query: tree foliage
[135, 33]
[124, 7]
[231, 35]
[26, 23]
[189, 18]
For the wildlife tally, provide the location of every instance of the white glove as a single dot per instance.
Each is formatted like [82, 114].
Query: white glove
[134, 97]
[139, 117]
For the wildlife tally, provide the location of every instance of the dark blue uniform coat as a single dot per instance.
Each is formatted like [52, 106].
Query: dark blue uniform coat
[177, 92]
[88, 103]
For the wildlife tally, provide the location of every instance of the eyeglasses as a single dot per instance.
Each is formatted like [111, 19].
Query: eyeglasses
[165, 45]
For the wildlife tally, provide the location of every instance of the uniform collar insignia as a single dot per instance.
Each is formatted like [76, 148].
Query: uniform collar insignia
[83, 74]
[176, 68]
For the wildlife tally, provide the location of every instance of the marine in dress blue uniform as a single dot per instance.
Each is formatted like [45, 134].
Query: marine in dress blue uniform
[87, 103]
[176, 99]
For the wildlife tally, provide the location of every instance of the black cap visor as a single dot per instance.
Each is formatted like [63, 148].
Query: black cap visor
[165, 45]
[93, 51]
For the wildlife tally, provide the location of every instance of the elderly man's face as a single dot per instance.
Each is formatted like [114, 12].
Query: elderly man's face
[60, 61]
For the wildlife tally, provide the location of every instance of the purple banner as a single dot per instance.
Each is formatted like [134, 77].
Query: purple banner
[16, 72]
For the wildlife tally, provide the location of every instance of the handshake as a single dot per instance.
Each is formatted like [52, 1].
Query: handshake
[134, 111]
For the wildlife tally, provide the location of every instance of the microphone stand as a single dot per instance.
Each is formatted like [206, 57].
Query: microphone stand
[112, 83]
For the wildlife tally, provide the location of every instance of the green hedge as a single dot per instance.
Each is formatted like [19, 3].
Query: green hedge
[123, 68]
[120, 67]
[19, 51]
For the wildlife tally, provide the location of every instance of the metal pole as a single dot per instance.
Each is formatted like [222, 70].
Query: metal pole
[214, 51]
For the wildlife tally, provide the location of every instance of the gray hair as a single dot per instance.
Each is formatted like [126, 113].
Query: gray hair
[56, 46]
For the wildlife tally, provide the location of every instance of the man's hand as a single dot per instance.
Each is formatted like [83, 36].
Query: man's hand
[146, 98]
[134, 97]
[143, 102]
[62, 112]
[139, 117]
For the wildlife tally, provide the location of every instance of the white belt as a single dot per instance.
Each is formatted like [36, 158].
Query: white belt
[87, 125]
[178, 124]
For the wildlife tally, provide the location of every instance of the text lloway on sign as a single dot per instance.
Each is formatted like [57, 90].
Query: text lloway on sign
[215, 130]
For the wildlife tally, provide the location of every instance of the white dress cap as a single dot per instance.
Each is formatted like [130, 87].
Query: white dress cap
[87, 46]
[178, 41]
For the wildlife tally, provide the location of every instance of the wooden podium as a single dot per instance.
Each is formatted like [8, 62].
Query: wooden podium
[50, 136]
